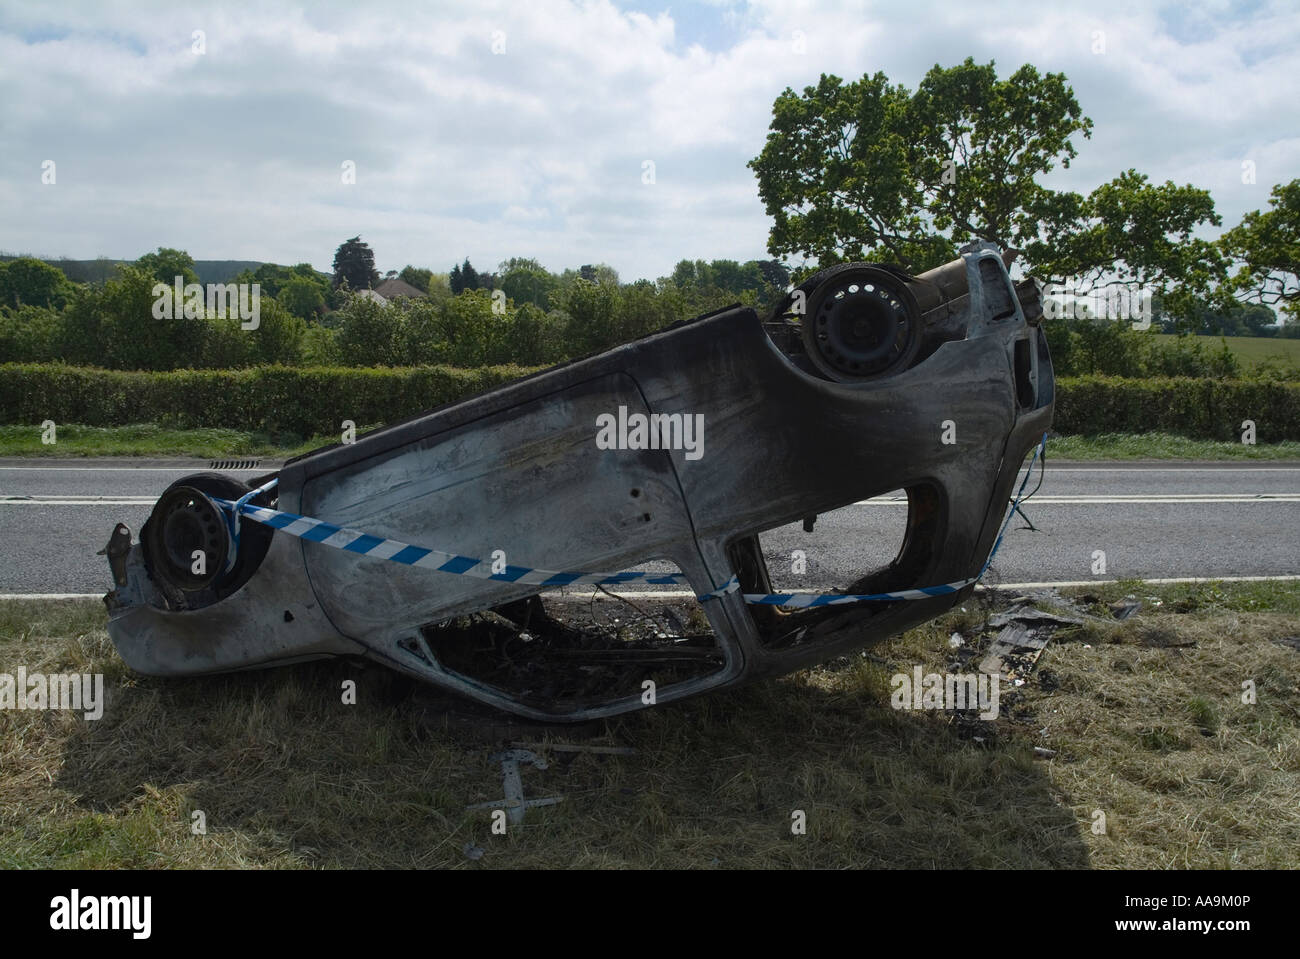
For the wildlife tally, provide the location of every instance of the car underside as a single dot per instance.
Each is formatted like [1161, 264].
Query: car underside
[676, 450]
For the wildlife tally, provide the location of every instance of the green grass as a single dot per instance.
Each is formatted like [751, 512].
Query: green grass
[1164, 446]
[1251, 350]
[147, 440]
[153, 441]
[1143, 719]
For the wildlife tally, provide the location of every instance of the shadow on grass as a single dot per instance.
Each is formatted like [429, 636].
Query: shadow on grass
[286, 774]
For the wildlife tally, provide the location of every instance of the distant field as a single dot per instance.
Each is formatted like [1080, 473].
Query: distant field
[1253, 349]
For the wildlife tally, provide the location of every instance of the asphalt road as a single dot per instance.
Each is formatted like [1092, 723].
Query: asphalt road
[1159, 520]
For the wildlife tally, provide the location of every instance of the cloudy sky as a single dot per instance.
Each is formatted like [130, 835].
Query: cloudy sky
[524, 129]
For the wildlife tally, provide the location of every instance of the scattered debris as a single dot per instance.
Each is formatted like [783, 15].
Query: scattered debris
[1014, 652]
[1157, 638]
[1292, 641]
[1025, 613]
[515, 804]
[472, 851]
[955, 641]
[570, 748]
[1042, 752]
[1125, 608]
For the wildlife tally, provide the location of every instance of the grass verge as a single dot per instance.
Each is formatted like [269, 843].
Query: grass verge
[1164, 446]
[147, 440]
[1144, 717]
[153, 441]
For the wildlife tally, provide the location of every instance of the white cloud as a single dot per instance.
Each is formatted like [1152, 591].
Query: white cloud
[539, 150]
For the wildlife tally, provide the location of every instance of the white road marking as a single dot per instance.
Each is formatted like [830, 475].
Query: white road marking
[1172, 469]
[1040, 500]
[271, 468]
[69, 501]
[142, 469]
[1129, 498]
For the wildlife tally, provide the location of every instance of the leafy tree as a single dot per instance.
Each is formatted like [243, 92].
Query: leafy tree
[302, 297]
[320, 347]
[225, 345]
[440, 287]
[371, 333]
[1234, 319]
[774, 274]
[1109, 348]
[1266, 248]
[271, 278]
[688, 273]
[424, 332]
[705, 286]
[537, 337]
[869, 170]
[165, 264]
[417, 276]
[1188, 355]
[278, 337]
[134, 339]
[641, 309]
[27, 281]
[354, 262]
[601, 273]
[29, 334]
[519, 263]
[1129, 231]
[83, 337]
[593, 320]
[526, 281]
[464, 277]
[476, 335]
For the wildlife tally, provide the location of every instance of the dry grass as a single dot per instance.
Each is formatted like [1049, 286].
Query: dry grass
[1149, 731]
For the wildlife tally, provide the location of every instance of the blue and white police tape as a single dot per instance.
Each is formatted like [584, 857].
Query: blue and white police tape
[364, 544]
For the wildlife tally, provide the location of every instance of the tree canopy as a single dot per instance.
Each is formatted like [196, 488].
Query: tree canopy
[354, 264]
[872, 171]
[1266, 247]
[165, 264]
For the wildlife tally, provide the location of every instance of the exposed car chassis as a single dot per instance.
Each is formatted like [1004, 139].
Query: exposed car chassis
[867, 380]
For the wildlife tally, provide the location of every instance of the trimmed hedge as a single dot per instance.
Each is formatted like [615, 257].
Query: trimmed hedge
[1202, 409]
[306, 401]
[311, 401]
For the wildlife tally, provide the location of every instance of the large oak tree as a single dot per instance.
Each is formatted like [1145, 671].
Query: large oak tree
[869, 170]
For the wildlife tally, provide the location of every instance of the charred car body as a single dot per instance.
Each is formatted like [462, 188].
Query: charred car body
[866, 380]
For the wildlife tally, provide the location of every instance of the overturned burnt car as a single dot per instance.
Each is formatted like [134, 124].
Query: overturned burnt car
[392, 547]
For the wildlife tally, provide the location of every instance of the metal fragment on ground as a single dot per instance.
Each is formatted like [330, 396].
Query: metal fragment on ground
[572, 748]
[515, 802]
[1125, 609]
[1014, 642]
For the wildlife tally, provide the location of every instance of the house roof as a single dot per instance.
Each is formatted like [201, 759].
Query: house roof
[399, 287]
